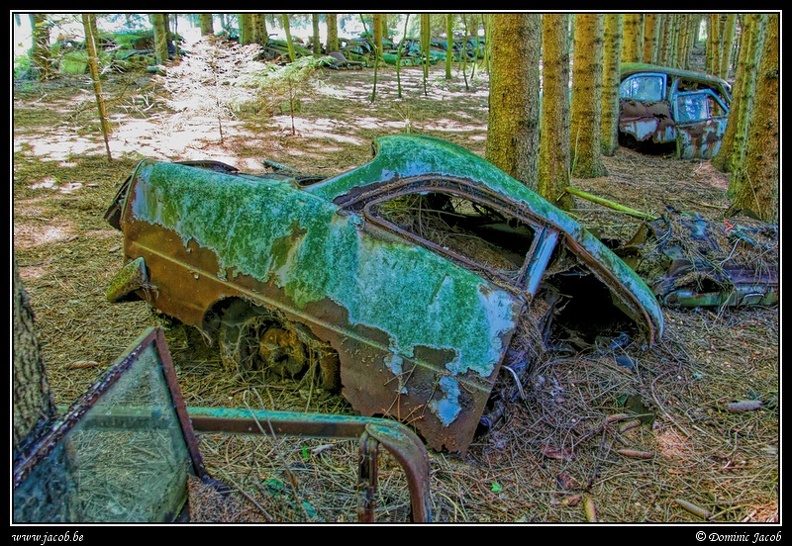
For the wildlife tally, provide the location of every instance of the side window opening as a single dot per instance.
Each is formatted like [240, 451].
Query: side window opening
[476, 233]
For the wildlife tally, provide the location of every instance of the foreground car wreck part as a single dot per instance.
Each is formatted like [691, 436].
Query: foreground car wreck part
[96, 465]
[123, 451]
[411, 280]
[661, 106]
[400, 441]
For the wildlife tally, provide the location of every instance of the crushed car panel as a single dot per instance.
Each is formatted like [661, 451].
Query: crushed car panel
[418, 327]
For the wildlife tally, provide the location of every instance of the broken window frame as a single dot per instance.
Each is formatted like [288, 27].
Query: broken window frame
[534, 261]
[372, 432]
[629, 79]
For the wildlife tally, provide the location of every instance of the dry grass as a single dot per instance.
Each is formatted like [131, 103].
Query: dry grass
[555, 457]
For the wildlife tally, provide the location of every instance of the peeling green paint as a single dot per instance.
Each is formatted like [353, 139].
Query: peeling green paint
[271, 231]
[404, 156]
[447, 408]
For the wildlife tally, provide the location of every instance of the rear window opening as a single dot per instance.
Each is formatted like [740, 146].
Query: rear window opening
[475, 233]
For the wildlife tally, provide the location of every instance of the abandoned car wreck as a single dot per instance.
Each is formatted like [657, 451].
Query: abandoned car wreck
[668, 109]
[423, 285]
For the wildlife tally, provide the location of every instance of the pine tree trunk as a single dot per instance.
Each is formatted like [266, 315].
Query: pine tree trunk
[332, 32]
[554, 159]
[758, 184]
[728, 45]
[732, 147]
[650, 39]
[633, 38]
[40, 53]
[586, 113]
[33, 403]
[207, 24]
[611, 57]
[317, 43]
[159, 21]
[513, 128]
[89, 26]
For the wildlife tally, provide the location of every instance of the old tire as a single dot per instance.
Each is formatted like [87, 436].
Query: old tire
[254, 339]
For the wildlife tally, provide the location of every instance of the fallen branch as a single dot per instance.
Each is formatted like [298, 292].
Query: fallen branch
[610, 204]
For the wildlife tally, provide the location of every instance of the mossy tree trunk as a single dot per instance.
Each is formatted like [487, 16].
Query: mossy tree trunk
[246, 28]
[207, 24]
[586, 113]
[757, 176]
[730, 27]
[287, 31]
[91, 36]
[426, 35]
[33, 403]
[449, 44]
[733, 143]
[317, 43]
[650, 35]
[40, 52]
[611, 58]
[633, 38]
[554, 158]
[331, 19]
[513, 125]
[159, 21]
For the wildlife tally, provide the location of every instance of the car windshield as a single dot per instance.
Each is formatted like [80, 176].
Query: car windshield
[647, 87]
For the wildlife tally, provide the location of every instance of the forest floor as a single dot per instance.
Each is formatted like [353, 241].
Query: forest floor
[553, 460]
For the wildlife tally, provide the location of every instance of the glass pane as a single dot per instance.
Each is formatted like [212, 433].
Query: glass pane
[125, 460]
[642, 88]
[692, 108]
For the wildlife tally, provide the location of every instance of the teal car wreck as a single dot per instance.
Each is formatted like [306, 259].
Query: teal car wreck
[424, 285]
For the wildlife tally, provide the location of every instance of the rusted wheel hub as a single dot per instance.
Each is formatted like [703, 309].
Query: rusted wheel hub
[282, 352]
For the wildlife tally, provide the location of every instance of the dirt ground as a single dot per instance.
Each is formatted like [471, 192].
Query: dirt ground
[555, 459]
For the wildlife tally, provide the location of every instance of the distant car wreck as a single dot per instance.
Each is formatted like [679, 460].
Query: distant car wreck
[423, 284]
[662, 108]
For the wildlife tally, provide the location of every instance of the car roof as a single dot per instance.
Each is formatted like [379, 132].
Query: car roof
[408, 155]
[628, 69]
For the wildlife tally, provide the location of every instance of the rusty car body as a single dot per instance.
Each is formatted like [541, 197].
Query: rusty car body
[662, 108]
[416, 281]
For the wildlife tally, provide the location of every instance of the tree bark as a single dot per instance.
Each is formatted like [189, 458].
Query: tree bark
[757, 177]
[513, 129]
[650, 35]
[33, 403]
[287, 31]
[91, 35]
[207, 24]
[633, 38]
[586, 113]
[40, 53]
[160, 23]
[332, 32]
[554, 159]
[732, 147]
[317, 42]
[611, 57]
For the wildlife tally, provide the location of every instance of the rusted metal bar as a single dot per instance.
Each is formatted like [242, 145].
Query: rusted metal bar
[400, 441]
[367, 477]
